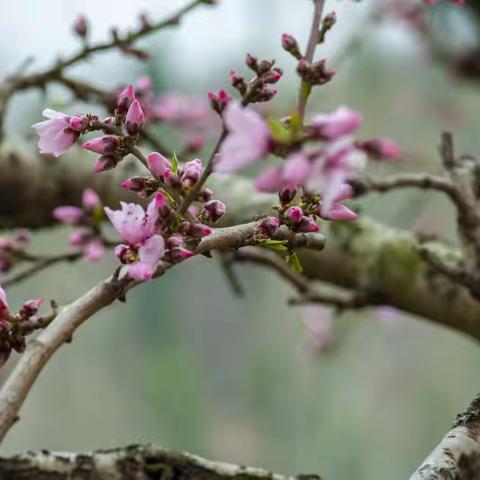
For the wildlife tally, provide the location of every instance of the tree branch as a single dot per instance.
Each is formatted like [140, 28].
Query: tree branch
[457, 456]
[133, 462]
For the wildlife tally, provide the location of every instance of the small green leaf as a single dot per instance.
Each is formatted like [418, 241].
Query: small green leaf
[174, 163]
[278, 245]
[278, 130]
[294, 262]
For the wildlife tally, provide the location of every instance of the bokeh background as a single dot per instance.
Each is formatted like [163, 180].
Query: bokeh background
[187, 365]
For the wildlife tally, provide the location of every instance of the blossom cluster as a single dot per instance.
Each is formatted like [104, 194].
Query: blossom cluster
[12, 333]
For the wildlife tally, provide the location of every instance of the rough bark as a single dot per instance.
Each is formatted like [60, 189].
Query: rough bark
[457, 456]
[130, 463]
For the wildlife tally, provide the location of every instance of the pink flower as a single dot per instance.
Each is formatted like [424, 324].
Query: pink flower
[342, 121]
[338, 211]
[68, 215]
[248, 139]
[136, 227]
[135, 119]
[56, 134]
[157, 164]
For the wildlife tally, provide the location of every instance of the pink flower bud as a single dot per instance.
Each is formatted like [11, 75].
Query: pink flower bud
[251, 62]
[94, 251]
[78, 124]
[220, 101]
[104, 163]
[157, 164]
[135, 119]
[179, 254]
[80, 26]
[90, 199]
[125, 99]
[380, 149]
[31, 307]
[175, 240]
[269, 226]
[191, 171]
[69, 215]
[293, 215]
[162, 205]
[286, 194]
[197, 230]
[213, 211]
[78, 238]
[206, 194]
[135, 184]
[337, 212]
[22, 235]
[289, 42]
[306, 224]
[106, 145]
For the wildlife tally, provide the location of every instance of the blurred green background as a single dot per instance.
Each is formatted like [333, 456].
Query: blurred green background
[187, 365]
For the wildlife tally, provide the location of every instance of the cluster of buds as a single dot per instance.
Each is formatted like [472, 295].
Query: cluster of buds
[13, 327]
[86, 219]
[258, 89]
[13, 249]
[219, 101]
[315, 73]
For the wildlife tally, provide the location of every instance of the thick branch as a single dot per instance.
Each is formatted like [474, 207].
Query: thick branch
[457, 456]
[135, 462]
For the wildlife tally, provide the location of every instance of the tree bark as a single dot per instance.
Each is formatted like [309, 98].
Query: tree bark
[130, 463]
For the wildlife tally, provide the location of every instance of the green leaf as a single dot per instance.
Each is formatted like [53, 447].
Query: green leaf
[278, 245]
[174, 163]
[294, 262]
[278, 130]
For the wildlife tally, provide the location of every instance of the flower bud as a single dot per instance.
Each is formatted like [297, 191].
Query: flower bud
[213, 211]
[175, 240]
[197, 230]
[135, 119]
[269, 226]
[134, 184]
[31, 307]
[125, 99]
[206, 194]
[290, 44]
[106, 145]
[252, 62]
[306, 224]
[274, 76]
[22, 235]
[80, 26]
[178, 254]
[220, 101]
[105, 162]
[238, 82]
[286, 195]
[90, 199]
[157, 164]
[380, 149]
[293, 215]
[162, 205]
[68, 215]
[191, 172]
[78, 124]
